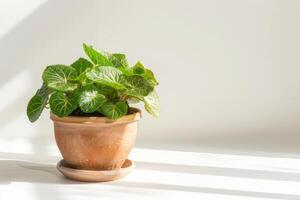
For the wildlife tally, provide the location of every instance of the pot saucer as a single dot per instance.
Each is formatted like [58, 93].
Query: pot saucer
[94, 175]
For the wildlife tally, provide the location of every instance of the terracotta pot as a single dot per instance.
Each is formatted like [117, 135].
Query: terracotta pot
[96, 143]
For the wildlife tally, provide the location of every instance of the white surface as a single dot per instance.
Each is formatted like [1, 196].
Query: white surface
[159, 174]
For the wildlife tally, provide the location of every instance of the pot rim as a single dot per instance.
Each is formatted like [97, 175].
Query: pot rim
[133, 117]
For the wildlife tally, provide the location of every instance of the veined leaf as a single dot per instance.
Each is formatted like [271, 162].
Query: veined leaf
[139, 70]
[90, 99]
[97, 57]
[114, 110]
[61, 104]
[149, 76]
[103, 82]
[59, 77]
[83, 79]
[81, 65]
[44, 91]
[110, 93]
[37, 103]
[137, 86]
[107, 75]
[119, 60]
[105, 90]
[152, 104]
[35, 107]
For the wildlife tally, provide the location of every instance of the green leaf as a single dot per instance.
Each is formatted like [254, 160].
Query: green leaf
[97, 57]
[139, 70]
[114, 110]
[61, 104]
[119, 60]
[81, 65]
[107, 75]
[83, 79]
[152, 104]
[37, 103]
[90, 99]
[135, 70]
[149, 76]
[105, 90]
[35, 107]
[59, 77]
[137, 86]
[110, 93]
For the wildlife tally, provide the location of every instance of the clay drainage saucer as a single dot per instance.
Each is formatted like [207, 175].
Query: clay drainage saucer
[94, 175]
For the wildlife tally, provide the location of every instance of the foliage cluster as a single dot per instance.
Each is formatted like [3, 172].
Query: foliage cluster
[104, 85]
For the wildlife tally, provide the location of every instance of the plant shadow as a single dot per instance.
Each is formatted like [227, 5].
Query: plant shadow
[25, 171]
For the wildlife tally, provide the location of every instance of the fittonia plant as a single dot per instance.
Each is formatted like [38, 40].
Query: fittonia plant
[104, 85]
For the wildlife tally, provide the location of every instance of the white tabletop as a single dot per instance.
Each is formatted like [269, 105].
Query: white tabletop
[159, 174]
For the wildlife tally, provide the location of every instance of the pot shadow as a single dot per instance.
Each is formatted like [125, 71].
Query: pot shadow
[25, 171]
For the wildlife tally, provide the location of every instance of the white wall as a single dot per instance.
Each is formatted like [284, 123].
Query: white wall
[228, 69]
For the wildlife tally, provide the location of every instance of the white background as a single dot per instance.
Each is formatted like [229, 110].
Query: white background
[229, 89]
[228, 70]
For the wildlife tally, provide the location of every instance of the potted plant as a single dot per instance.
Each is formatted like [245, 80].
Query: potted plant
[95, 128]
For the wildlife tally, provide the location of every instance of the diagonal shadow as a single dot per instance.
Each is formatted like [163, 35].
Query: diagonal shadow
[220, 171]
[50, 31]
[158, 186]
[24, 171]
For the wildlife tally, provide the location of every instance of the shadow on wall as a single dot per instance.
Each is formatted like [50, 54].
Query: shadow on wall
[49, 34]
[41, 38]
